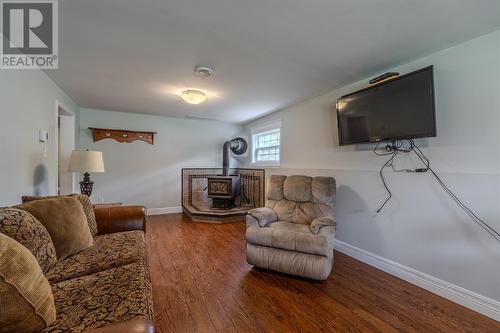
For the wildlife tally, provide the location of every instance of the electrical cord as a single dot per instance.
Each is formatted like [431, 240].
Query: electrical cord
[394, 149]
[471, 213]
[391, 150]
[381, 172]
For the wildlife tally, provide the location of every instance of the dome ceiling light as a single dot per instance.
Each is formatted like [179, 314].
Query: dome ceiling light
[193, 96]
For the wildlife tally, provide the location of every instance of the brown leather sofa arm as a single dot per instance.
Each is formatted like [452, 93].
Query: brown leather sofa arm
[133, 326]
[120, 218]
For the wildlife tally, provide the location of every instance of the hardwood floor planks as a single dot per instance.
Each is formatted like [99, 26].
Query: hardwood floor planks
[202, 283]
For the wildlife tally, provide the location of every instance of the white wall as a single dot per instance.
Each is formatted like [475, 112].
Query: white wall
[421, 227]
[150, 175]
[27, 104]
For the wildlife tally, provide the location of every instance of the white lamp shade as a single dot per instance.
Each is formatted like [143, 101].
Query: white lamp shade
[86, 161]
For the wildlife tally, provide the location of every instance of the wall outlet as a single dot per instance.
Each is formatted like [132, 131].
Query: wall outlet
[100, 200]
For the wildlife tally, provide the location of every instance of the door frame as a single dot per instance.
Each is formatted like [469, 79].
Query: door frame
[68, 113]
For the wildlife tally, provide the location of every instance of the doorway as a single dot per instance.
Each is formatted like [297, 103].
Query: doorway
[65, 146]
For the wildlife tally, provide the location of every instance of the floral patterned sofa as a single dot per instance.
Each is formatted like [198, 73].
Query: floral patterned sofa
[106, 287]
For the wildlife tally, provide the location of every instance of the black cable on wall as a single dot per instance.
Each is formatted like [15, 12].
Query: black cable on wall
[408, 146]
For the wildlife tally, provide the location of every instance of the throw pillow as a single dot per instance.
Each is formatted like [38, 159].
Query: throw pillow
[24, 228]
[26, 301]
[66, 222]
[88, 208]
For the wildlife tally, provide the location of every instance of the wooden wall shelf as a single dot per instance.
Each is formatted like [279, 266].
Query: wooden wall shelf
[122, 135]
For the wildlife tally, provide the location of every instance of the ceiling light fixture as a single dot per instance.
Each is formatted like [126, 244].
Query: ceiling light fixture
[193, 96]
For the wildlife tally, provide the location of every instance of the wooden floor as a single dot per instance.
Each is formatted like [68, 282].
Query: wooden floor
[202, 283]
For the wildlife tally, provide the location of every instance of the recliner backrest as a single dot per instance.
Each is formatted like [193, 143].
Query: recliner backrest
[301, 199]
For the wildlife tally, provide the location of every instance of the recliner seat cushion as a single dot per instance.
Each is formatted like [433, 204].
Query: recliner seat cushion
[283, 225]
[292, 237]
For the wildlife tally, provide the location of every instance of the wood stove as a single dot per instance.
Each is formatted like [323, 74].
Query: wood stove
[223, 190]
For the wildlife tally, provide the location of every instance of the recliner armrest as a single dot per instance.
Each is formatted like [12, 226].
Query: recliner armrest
[263, 215]
[120, 218]
[320, 223]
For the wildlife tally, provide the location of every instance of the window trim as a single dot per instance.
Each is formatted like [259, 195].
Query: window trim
[260, 130]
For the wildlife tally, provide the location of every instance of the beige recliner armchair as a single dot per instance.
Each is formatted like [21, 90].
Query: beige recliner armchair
[294, 233]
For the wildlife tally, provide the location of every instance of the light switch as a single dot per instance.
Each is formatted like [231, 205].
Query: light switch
[43, 136]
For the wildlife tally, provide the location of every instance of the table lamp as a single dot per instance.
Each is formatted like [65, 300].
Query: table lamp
[86, 161]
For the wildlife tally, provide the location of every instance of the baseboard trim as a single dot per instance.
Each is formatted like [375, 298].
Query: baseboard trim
[164, 210]
[454, 293]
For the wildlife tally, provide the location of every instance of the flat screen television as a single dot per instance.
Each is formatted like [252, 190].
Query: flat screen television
[402, 108]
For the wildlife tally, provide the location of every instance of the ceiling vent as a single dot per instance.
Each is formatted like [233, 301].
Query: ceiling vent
[203, 71]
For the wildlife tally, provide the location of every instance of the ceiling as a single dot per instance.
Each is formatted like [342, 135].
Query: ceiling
[137, 56]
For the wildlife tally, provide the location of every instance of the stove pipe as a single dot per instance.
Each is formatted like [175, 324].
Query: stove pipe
[238, 146]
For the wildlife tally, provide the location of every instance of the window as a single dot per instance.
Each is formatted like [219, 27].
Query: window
[266, 146]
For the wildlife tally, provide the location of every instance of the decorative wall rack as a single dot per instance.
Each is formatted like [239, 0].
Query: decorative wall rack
[122, 135]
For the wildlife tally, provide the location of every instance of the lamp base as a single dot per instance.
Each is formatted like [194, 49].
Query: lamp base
[86, 185]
